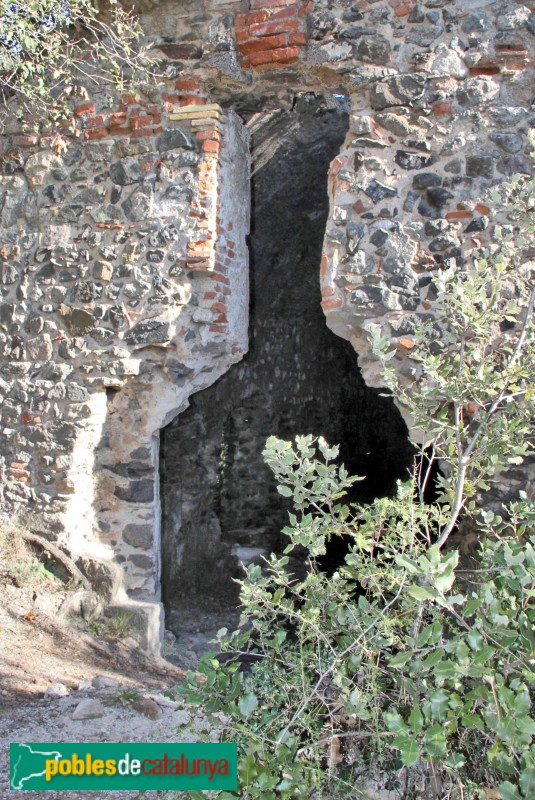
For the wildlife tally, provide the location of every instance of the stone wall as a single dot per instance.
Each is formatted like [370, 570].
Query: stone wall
[124, 289]
[123, 279]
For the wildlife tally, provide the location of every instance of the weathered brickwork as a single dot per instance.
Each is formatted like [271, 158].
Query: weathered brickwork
[123, 277]
[273, 34]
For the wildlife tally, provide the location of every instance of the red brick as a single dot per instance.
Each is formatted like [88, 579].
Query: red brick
[286, 13]
[15, 471]
[199, 252]
[119, 118]
[298, 38]
[442, 108]
[510, 48]
[204, 135]
[244, 20]
[488, 69]
[221, 307]
[210, 147]
[459, 215]
[327, 291]
[199, 264]
[483, 209]
[284, 55]
[221, 318]
[209, 296]
[18, 465]
[218, 276]
[96, 133]
[25, 141]
[140, 122]
[263, 4]
[306, 8]
[402, 10]
[336, 166]
[516, 63]
[243, 35]
[85, 109]
[139, 132]
[407, 343]
[191, 100]
[277, 26]
[333, 302]
[187, 84]
[95, 122]
[169, 98]
[218, 328]
[264, 43]
[118, 129]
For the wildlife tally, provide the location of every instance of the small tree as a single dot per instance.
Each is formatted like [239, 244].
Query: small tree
[51, 50]
[401, 671]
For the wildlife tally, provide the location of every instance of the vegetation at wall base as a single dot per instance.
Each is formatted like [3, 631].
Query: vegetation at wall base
[403, 672]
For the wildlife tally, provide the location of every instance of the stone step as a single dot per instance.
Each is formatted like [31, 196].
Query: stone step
[250, 555]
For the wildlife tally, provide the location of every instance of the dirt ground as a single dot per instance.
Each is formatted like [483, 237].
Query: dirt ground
[48, 666]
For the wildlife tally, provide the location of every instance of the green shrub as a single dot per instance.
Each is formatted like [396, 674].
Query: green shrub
[401, 671]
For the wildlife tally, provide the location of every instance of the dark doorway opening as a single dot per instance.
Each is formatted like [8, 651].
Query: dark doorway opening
[220, 506]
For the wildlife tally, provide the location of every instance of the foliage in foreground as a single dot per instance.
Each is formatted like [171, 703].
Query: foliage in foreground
[401, 670]
[51, 50]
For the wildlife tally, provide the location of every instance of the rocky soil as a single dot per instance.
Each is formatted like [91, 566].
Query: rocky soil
[66, 681]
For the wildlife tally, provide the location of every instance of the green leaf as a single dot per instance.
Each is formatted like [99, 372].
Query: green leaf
[508, 791]
[527, 781]
[445, 669]
[439, 701]
[475, 639]
[407, 563]
[408, 748]
[416, 720]
[433, 658]
[455, 761]
[247, 704]
[420, 593]
[400, 659]
[285, 491]
[394, 722]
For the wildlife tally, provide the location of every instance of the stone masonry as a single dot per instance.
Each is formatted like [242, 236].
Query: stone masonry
[124, 261]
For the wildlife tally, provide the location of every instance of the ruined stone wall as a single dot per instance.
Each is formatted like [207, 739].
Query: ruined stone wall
[123, 279]
[124, 288]
[441, 95]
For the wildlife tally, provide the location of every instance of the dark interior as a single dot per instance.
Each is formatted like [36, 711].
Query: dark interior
[219, 500]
